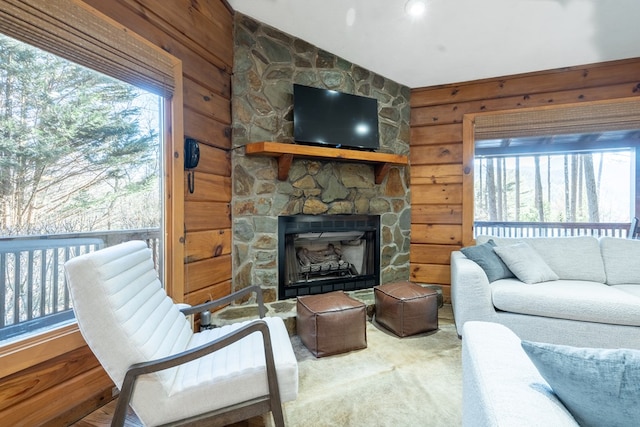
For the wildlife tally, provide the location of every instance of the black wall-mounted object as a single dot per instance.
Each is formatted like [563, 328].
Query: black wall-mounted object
[191, 153]
[329, 117]
[191, 159]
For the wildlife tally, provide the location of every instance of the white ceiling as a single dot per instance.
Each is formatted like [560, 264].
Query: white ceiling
[458, 40]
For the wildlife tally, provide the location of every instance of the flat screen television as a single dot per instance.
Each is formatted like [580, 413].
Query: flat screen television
[328, 117]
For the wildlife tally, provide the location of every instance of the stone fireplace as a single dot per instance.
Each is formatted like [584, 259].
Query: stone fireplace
[266, 64]
[325, 253]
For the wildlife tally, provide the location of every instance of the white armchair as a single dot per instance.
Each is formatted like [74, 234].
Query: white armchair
[165, 371]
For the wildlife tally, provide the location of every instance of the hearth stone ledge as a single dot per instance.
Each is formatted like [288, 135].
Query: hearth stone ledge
[286, 309]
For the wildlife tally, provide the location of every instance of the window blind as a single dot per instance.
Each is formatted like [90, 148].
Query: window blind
[622, 114]
[73, 30]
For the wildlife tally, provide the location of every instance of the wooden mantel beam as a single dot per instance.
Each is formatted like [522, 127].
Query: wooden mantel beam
[285, 153]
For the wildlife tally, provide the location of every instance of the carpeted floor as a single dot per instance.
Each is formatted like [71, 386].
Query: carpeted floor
[413, 381]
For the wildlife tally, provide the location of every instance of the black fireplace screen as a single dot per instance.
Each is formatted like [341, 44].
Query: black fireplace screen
[324, 253]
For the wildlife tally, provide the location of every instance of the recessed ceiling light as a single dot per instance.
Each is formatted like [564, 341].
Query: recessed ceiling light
[415, 7]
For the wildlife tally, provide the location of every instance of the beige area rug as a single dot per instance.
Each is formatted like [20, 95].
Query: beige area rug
[413, 381]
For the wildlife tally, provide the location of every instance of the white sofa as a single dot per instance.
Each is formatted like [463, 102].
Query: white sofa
[509, 382]
[595, 302]
[501, 386]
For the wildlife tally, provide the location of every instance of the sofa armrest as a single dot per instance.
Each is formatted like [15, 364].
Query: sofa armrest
[501, 386]
[470, 291]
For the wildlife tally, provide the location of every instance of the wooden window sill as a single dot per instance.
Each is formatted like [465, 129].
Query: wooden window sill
[39, 348]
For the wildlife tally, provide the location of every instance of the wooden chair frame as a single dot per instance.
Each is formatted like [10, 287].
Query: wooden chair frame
[223, 416]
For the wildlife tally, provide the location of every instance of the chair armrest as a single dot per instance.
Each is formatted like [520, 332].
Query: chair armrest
[227, 300]
[178, 359]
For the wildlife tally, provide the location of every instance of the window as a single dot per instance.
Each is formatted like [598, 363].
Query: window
[73, 30]
[80, 169]
[581, 162]
[552, 185]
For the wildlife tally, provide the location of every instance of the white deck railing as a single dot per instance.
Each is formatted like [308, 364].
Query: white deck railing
[33, 291]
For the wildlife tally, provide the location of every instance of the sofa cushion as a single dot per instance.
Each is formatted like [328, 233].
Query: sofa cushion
[632, 289]
[525, 263]
[571, 258]
[620, 258]
[488, 260]
[567, 299]
[587, 380]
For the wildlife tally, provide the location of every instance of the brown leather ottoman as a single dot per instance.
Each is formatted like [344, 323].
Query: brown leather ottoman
[331, 323]
[406, 308]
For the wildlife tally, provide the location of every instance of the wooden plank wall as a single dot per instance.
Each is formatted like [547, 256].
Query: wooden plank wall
[61, 390]
[437, 149]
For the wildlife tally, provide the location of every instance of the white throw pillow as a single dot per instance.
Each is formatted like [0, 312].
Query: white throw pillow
[525, 263]
[488, 260]
[571, 258]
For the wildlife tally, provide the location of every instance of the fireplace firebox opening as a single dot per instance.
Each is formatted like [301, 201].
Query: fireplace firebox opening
[325, 253]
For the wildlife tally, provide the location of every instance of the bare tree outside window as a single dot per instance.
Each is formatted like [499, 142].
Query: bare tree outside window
[565, 187]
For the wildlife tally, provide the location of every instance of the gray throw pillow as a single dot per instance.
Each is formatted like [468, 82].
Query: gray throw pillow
[486, 258]
[600, 387]
[525, 263]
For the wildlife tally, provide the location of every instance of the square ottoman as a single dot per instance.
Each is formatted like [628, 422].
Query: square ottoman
[331, 323]
[406, 308]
